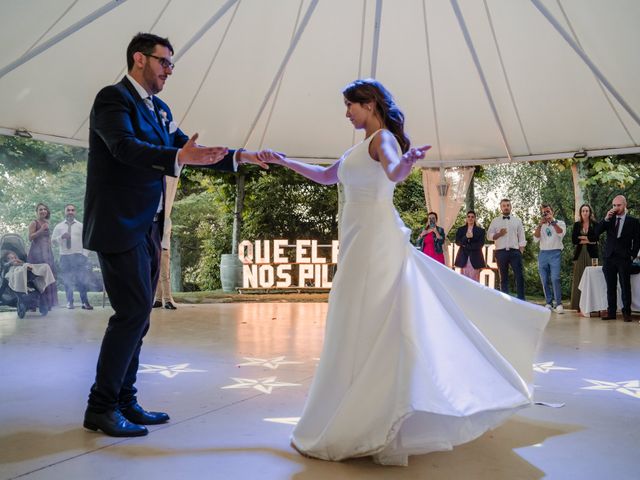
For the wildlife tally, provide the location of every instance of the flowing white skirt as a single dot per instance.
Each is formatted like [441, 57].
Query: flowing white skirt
[416, 357]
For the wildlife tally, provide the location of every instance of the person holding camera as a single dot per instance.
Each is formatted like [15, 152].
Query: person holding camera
[431, 239]
[507, 232]
[549, 234]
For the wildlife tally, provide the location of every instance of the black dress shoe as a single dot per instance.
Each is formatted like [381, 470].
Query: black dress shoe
[626, 317]
[113, 423]
[170, 306]
[157, 304]
[609, 317]
[136, 414]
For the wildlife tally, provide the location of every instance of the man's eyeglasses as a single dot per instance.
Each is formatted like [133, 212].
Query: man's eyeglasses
[164, 63]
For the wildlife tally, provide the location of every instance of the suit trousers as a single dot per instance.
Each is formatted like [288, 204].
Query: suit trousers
[618, 267]
[130, 279]
[512, 257]
[163, 291]
[74, 268]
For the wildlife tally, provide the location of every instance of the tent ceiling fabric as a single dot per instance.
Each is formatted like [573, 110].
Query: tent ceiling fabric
[547, 99]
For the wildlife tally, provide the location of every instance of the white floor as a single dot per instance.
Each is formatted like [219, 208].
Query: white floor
[233, 377]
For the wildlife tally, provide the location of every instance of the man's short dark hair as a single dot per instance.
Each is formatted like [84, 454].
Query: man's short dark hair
[546, 205]
[70, 205]
[505, 200]
[145, 43]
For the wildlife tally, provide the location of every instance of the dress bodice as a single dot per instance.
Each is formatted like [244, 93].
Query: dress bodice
[363, 178]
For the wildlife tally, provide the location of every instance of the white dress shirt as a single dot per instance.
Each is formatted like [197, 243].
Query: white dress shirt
[550, 239]
[76, 238]
[514, 238]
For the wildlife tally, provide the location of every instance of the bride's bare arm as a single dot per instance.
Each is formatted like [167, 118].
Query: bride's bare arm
[317, 173]
[397, 167]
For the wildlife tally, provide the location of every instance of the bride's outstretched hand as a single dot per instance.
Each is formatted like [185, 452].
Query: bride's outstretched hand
[269, 156]
[414, 154]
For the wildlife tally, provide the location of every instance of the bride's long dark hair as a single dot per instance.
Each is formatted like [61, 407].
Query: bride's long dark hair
[370, 90]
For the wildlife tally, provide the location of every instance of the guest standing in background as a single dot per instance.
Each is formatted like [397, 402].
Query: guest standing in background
[585, 240]
[549, 234]
[163, 296]
[620, 249]
[431, 239]
[507, 232]
[74, 265]
[470, 238]
[40, 250]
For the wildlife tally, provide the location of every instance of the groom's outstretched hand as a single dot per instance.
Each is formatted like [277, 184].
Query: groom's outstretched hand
[193, 154]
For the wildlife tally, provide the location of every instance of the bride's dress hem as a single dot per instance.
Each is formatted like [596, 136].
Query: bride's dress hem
[400, 458]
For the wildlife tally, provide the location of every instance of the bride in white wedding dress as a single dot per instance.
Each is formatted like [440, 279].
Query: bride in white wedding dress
[416, 357]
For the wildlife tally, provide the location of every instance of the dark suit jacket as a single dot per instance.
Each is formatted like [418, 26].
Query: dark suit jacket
[627, 245]
[470, 247]
[591, 235]
[129, 155]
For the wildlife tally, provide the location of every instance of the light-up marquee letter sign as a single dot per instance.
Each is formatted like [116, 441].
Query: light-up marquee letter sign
[279, 264]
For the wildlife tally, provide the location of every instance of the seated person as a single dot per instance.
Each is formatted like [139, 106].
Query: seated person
[19, 274]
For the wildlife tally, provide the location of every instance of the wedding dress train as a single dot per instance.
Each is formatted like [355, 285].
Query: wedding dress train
[416, 357]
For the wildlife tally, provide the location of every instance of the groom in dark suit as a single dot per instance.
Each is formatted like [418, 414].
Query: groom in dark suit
[133, 144]
[620, 249]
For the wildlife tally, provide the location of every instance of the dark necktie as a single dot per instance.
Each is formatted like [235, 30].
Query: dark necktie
[69, 237]
[617, 227]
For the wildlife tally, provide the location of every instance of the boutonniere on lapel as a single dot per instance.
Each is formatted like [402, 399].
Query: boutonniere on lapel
[163, 117]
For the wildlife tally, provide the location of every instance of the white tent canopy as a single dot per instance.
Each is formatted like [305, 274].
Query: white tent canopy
[483, 81]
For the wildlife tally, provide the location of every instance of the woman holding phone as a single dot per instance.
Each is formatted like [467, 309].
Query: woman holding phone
[431, 239]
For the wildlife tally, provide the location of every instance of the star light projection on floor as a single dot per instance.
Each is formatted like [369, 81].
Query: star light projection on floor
[264, 385]
[627, 387]
[271, 363]
[546, 367]
[268, 384]
[168, 371]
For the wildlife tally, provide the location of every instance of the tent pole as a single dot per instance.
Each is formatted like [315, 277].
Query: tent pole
[376, 39]
[60, 36]
[585, 58]
[483, 80]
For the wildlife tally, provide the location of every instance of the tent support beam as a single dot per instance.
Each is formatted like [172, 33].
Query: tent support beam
[283, 65]
[483, 80]
[431, 84]
[204, 29]
[376, 39]
[60, 36]
[585, 58]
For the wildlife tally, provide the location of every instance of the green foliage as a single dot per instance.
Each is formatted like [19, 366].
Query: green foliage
[616, 171]
[282, 204]
[202, 224]
[22, 189]
[24, 153]
[410, 203]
